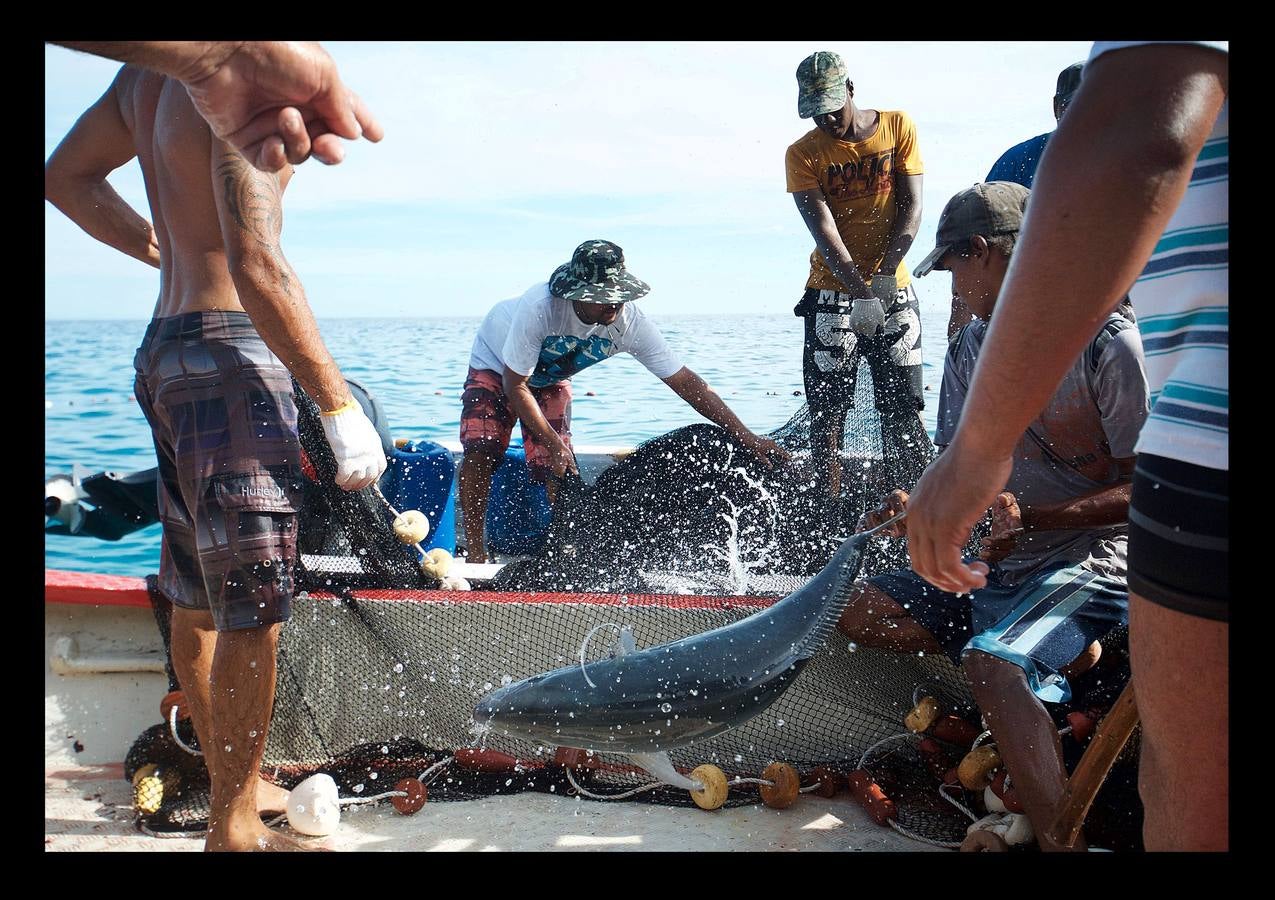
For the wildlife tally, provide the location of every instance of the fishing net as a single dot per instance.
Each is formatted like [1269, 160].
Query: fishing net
[379, 671]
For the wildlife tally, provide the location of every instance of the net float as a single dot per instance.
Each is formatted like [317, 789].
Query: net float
[411, 526]
[871, 797]
[415, 799]
[975, 770]
[785, 786]
[922, 715]
[713, 793]
[314, 807]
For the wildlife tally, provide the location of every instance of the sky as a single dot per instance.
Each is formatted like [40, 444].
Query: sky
[499, 158]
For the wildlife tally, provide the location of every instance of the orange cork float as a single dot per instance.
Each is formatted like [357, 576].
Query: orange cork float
[476, 760]
[955, 730]
[171, 699]
[715, 787]
[415, 799]
[1082, 725]
[871, 797]
[785, 786]
[934, 757]
[975, 770]
[922, 716]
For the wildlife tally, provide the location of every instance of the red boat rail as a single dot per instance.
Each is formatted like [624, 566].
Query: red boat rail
[119, 590]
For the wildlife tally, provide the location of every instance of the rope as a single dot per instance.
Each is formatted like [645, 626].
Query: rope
[592, 796]
[958, 804]
[172, 727]
[894, 737]
[917, 837]
[437, 765]
[376, 489]
[584, 646]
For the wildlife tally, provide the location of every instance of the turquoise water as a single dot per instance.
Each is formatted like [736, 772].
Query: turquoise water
[416, 368]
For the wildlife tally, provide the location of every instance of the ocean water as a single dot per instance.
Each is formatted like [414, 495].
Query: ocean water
[416, 367]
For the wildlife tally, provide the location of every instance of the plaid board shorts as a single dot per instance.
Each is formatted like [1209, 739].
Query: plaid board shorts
[224, 424]
[486, 417]
[1040, 625]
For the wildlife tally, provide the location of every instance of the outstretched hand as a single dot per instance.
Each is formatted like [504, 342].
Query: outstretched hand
[562, 461]
[954, 492]
[767, 451]
[280, 102]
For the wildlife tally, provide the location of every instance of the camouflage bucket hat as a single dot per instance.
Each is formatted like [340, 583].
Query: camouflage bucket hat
[596, 274]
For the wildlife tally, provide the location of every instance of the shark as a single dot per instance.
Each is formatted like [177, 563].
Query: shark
[643, 703]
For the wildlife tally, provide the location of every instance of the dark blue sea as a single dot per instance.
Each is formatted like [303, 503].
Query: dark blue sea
[416, 367]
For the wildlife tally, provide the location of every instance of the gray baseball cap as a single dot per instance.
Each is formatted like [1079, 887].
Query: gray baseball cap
[988, 208]
[821, 84]
[596, 274]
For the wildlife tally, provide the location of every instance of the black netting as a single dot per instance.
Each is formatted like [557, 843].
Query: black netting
[378, 673]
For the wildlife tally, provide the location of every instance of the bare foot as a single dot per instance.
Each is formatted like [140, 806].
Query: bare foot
[257, 839]
[272, 799]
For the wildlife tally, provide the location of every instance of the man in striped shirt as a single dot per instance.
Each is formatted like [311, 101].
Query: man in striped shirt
[1131, 196]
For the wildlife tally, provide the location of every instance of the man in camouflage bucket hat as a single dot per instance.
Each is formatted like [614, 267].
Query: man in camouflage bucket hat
[521, 364]
[856, 179]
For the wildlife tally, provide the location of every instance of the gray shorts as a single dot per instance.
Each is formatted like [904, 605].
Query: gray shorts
[1040, 625]
[224, 424]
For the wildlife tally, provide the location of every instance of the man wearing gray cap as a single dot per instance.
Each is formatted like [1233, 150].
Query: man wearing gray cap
[1056, 551]
[856, 180]
[525, 353]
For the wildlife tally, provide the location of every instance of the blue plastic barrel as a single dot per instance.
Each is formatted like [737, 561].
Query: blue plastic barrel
[518, 511]
[421, 475]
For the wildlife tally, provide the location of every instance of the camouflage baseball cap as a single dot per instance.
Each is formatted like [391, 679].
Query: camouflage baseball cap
[596, 274]
[821, 84]
[989, 209]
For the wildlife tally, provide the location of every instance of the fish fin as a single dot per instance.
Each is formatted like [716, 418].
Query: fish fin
[848, 559]
[659, 765]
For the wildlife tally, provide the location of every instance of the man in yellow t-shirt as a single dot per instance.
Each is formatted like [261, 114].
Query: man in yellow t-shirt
[856, 179]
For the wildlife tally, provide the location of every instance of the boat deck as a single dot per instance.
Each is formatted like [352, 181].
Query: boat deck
[88, 808]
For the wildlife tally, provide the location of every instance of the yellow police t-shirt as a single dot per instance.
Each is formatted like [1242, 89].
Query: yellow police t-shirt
[857, 181]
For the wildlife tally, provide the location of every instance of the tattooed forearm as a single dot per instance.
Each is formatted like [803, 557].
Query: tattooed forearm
[255, 203]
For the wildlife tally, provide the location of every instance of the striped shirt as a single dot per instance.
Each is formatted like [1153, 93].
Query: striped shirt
[1181, 302]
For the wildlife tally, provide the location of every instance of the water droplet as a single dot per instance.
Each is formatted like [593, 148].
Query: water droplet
[664, 707]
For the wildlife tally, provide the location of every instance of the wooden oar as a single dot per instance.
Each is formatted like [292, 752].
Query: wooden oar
[1112, 734]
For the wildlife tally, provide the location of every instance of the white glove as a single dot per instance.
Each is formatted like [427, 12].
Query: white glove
[884, 288]
[360, 459]
[867, 316]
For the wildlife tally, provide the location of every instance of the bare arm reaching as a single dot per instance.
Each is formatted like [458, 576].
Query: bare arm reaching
[706, 401]
[75, 179]
[1097, 210]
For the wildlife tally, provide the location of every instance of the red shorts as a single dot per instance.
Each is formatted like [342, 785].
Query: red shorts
[485, 417]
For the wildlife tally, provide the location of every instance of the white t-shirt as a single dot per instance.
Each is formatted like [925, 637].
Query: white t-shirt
[540, 335]
[1181, 299]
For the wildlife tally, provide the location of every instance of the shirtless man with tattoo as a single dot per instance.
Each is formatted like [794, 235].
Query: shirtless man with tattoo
[231, 327]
